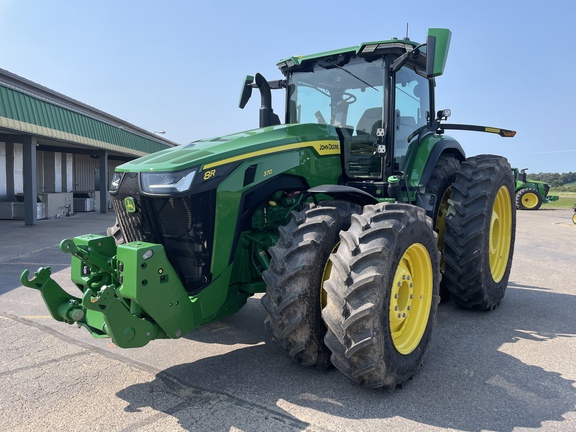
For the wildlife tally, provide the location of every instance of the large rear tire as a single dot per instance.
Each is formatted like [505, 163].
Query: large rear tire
[480, 232]
[528, 199]
[298, 268]
[383, 295]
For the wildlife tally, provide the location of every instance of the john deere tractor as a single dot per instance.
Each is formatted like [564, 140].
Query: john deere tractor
[347, 214]
[530, 194]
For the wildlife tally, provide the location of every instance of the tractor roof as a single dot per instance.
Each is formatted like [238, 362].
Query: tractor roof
[366, 49]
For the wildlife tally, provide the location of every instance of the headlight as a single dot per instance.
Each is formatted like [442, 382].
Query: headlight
[167, 182]
[116, 181]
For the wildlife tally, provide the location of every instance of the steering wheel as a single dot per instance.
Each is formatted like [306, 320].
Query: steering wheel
[348, 98]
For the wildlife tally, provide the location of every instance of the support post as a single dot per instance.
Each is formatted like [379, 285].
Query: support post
[30, 187]
[103, 185]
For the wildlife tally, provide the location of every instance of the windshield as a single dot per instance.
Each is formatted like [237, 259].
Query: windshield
[352, 98]
[336, 96]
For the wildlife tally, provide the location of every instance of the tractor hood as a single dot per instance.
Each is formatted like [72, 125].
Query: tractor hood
[238, 146]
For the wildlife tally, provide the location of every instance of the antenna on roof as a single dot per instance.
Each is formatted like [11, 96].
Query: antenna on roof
[407, 30]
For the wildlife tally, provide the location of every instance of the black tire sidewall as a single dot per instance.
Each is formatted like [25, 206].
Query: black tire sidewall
[296, 269]
[469, 273]
[358, 311]
[520, 194]
[405, 365]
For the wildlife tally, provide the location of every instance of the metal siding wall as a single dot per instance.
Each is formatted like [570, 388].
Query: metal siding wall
[84, 167]
[18, 168]
[46, 162]
[83, 173]
[57, 172]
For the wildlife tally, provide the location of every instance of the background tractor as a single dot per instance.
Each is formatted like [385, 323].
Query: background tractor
[530, 194]
[347, 215]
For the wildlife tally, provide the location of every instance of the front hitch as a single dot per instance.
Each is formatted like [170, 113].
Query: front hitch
[130, 292]
[62, 306]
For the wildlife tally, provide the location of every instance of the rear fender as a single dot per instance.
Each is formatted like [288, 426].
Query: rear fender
[428, 155]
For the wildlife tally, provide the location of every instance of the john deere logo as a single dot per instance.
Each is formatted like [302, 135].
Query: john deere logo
[130, 204]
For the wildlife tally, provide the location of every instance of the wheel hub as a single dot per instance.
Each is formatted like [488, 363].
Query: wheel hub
[411, 298]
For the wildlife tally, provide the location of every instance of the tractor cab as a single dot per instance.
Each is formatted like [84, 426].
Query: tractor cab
[378, 96]
[373, 123]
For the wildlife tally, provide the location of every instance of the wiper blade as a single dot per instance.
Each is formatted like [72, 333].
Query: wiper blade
[350, 73]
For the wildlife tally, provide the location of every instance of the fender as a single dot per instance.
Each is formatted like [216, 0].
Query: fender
[446, 145]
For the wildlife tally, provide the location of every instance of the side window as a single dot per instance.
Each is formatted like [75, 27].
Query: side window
[411, 110]
[310, 105]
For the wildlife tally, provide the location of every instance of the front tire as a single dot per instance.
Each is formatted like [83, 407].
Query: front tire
[528, 199]
[298, 267]
[383, 295]
[480, 232]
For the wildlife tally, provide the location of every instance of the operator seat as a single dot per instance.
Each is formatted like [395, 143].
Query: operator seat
[370, 121]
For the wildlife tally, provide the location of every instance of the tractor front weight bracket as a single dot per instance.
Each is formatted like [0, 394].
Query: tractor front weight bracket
[130, 293]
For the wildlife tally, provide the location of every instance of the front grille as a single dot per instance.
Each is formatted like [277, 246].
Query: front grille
[183, 225]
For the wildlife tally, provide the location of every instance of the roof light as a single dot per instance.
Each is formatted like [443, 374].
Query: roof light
[369, 48]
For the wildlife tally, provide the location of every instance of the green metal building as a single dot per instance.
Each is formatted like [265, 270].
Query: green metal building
[55, 147]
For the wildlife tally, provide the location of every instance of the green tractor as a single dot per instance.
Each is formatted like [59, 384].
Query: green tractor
[530, 194]
[348, 216]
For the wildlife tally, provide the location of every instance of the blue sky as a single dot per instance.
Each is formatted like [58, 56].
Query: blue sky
[178, 65]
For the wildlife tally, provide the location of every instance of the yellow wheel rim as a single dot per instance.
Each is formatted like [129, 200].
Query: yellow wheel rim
[530, 200]
[500, 234]
[574, 218]
[411, 298]
[325, 277]
[441, 223]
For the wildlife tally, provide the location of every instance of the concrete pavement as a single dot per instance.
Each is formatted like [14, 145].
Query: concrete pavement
[17, 239]
[509, 370]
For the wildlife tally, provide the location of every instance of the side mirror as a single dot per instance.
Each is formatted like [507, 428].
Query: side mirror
[437, 45]
[246, 91]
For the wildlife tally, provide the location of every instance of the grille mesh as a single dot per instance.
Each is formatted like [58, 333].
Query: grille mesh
[183, 225]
